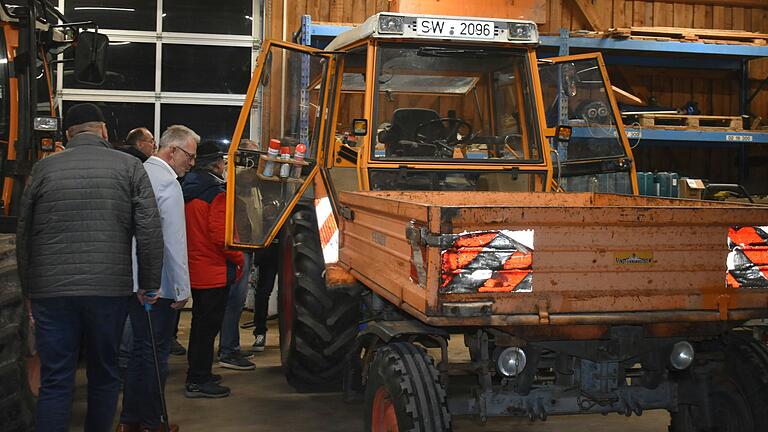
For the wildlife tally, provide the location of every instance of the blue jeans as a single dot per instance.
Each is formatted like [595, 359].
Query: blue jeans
[126, 345]
[229, 339]
[60, 322]
[264, 287]
[141, 398]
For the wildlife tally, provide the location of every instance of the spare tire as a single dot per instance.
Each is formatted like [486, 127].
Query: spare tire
[318, 326]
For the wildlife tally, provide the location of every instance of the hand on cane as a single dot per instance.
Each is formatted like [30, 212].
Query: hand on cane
[146, 296]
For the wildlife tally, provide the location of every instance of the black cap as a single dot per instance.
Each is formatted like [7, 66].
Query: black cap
[208, 151]
[83, 113]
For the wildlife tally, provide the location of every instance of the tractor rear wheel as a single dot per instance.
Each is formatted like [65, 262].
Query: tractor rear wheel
[404, 393]
[318, 326]
[17, 401]
[737, 392]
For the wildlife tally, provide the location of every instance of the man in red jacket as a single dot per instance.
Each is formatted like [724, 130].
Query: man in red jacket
[212, 267]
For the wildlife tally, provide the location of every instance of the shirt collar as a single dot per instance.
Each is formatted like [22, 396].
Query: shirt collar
[163, 163]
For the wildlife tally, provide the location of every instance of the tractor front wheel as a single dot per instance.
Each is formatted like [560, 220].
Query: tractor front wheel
[404, 393]
[737, 391]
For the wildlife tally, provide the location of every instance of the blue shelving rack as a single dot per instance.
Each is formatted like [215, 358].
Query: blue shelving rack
[733, 57]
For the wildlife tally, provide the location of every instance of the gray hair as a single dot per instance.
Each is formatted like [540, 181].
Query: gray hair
[177, 135]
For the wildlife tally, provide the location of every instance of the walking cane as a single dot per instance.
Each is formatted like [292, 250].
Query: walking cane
[164, 416]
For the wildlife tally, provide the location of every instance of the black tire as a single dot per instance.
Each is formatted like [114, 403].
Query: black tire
[17, 403]
[318, 327]
[404, 375]
[738, 391]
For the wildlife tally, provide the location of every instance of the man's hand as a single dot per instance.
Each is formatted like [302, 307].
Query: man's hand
[179, 304]
[145, 297]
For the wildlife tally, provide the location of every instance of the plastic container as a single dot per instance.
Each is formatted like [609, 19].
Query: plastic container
[665, 184]
[272, 152]
[298, 155]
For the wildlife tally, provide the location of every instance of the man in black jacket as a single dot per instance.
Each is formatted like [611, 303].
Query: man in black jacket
[140, 143]
[80, 210]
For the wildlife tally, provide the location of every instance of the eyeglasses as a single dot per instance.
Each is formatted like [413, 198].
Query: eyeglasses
[150, 141]
[190, 156]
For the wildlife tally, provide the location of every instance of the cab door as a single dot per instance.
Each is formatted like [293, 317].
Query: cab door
[274, 152]
[576, 92]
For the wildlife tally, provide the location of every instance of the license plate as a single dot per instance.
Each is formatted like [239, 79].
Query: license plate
[450, 28]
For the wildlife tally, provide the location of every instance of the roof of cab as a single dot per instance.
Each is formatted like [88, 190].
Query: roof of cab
[370, 28]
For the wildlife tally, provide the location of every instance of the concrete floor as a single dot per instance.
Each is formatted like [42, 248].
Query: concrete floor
[262, 401]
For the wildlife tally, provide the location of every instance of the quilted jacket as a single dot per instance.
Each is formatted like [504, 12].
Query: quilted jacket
[79, 212]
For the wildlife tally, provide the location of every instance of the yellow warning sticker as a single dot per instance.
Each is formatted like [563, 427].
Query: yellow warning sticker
[633, 257]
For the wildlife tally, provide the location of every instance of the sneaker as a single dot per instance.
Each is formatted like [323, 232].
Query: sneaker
[259, 342]
[176, 348]
[216, 378]
[244, 354]
[206, 390]
[236, 361]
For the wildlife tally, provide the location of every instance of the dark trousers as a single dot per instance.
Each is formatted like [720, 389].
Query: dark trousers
[141, 398]
[208, 307]
[264, 286]
[60, 323]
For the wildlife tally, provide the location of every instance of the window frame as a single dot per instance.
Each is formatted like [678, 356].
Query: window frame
[157, 96]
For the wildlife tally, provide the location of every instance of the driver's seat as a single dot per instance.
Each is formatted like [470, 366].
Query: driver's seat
[405, 122]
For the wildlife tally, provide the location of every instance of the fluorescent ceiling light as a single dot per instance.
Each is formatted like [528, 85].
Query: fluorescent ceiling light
[117, 9]
[119, 43]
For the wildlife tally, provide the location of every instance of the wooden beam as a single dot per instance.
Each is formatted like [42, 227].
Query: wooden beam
[760, 4]
[593, 18]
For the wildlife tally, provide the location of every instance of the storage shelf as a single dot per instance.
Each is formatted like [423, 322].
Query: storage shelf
[701, 138]
[651, 53]
[740, 51]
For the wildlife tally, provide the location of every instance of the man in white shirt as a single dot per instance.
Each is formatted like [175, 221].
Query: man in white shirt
[142, 408]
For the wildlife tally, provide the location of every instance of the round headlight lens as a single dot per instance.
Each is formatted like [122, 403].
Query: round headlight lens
[682, 355]
[511, 361]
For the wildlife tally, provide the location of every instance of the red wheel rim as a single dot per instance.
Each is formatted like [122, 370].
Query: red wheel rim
[383, 415]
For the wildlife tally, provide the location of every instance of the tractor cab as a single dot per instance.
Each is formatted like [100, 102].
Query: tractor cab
[420, 103]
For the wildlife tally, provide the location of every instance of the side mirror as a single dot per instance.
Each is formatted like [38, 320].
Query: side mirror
[91, 58]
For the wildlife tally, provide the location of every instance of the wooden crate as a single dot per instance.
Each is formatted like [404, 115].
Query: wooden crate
[680, 121]
[684, 34]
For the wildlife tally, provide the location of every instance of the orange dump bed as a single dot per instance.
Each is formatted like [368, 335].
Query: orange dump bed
[509, 259]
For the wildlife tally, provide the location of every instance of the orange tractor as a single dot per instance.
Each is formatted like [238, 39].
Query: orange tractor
[430, 178]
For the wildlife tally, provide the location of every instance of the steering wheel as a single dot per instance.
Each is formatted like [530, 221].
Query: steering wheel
[452, 136]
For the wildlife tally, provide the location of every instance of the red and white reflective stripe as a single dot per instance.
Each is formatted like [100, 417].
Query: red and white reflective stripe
[329, 230]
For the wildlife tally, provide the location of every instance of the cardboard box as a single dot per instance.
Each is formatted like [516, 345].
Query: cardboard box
[691, 188]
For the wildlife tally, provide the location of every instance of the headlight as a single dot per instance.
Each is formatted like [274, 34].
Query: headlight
[522, 32]
[511, 361]
[682, 355]
[46, 124]
[391, 24]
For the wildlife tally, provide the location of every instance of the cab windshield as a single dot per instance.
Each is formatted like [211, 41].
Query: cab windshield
[452, 104]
